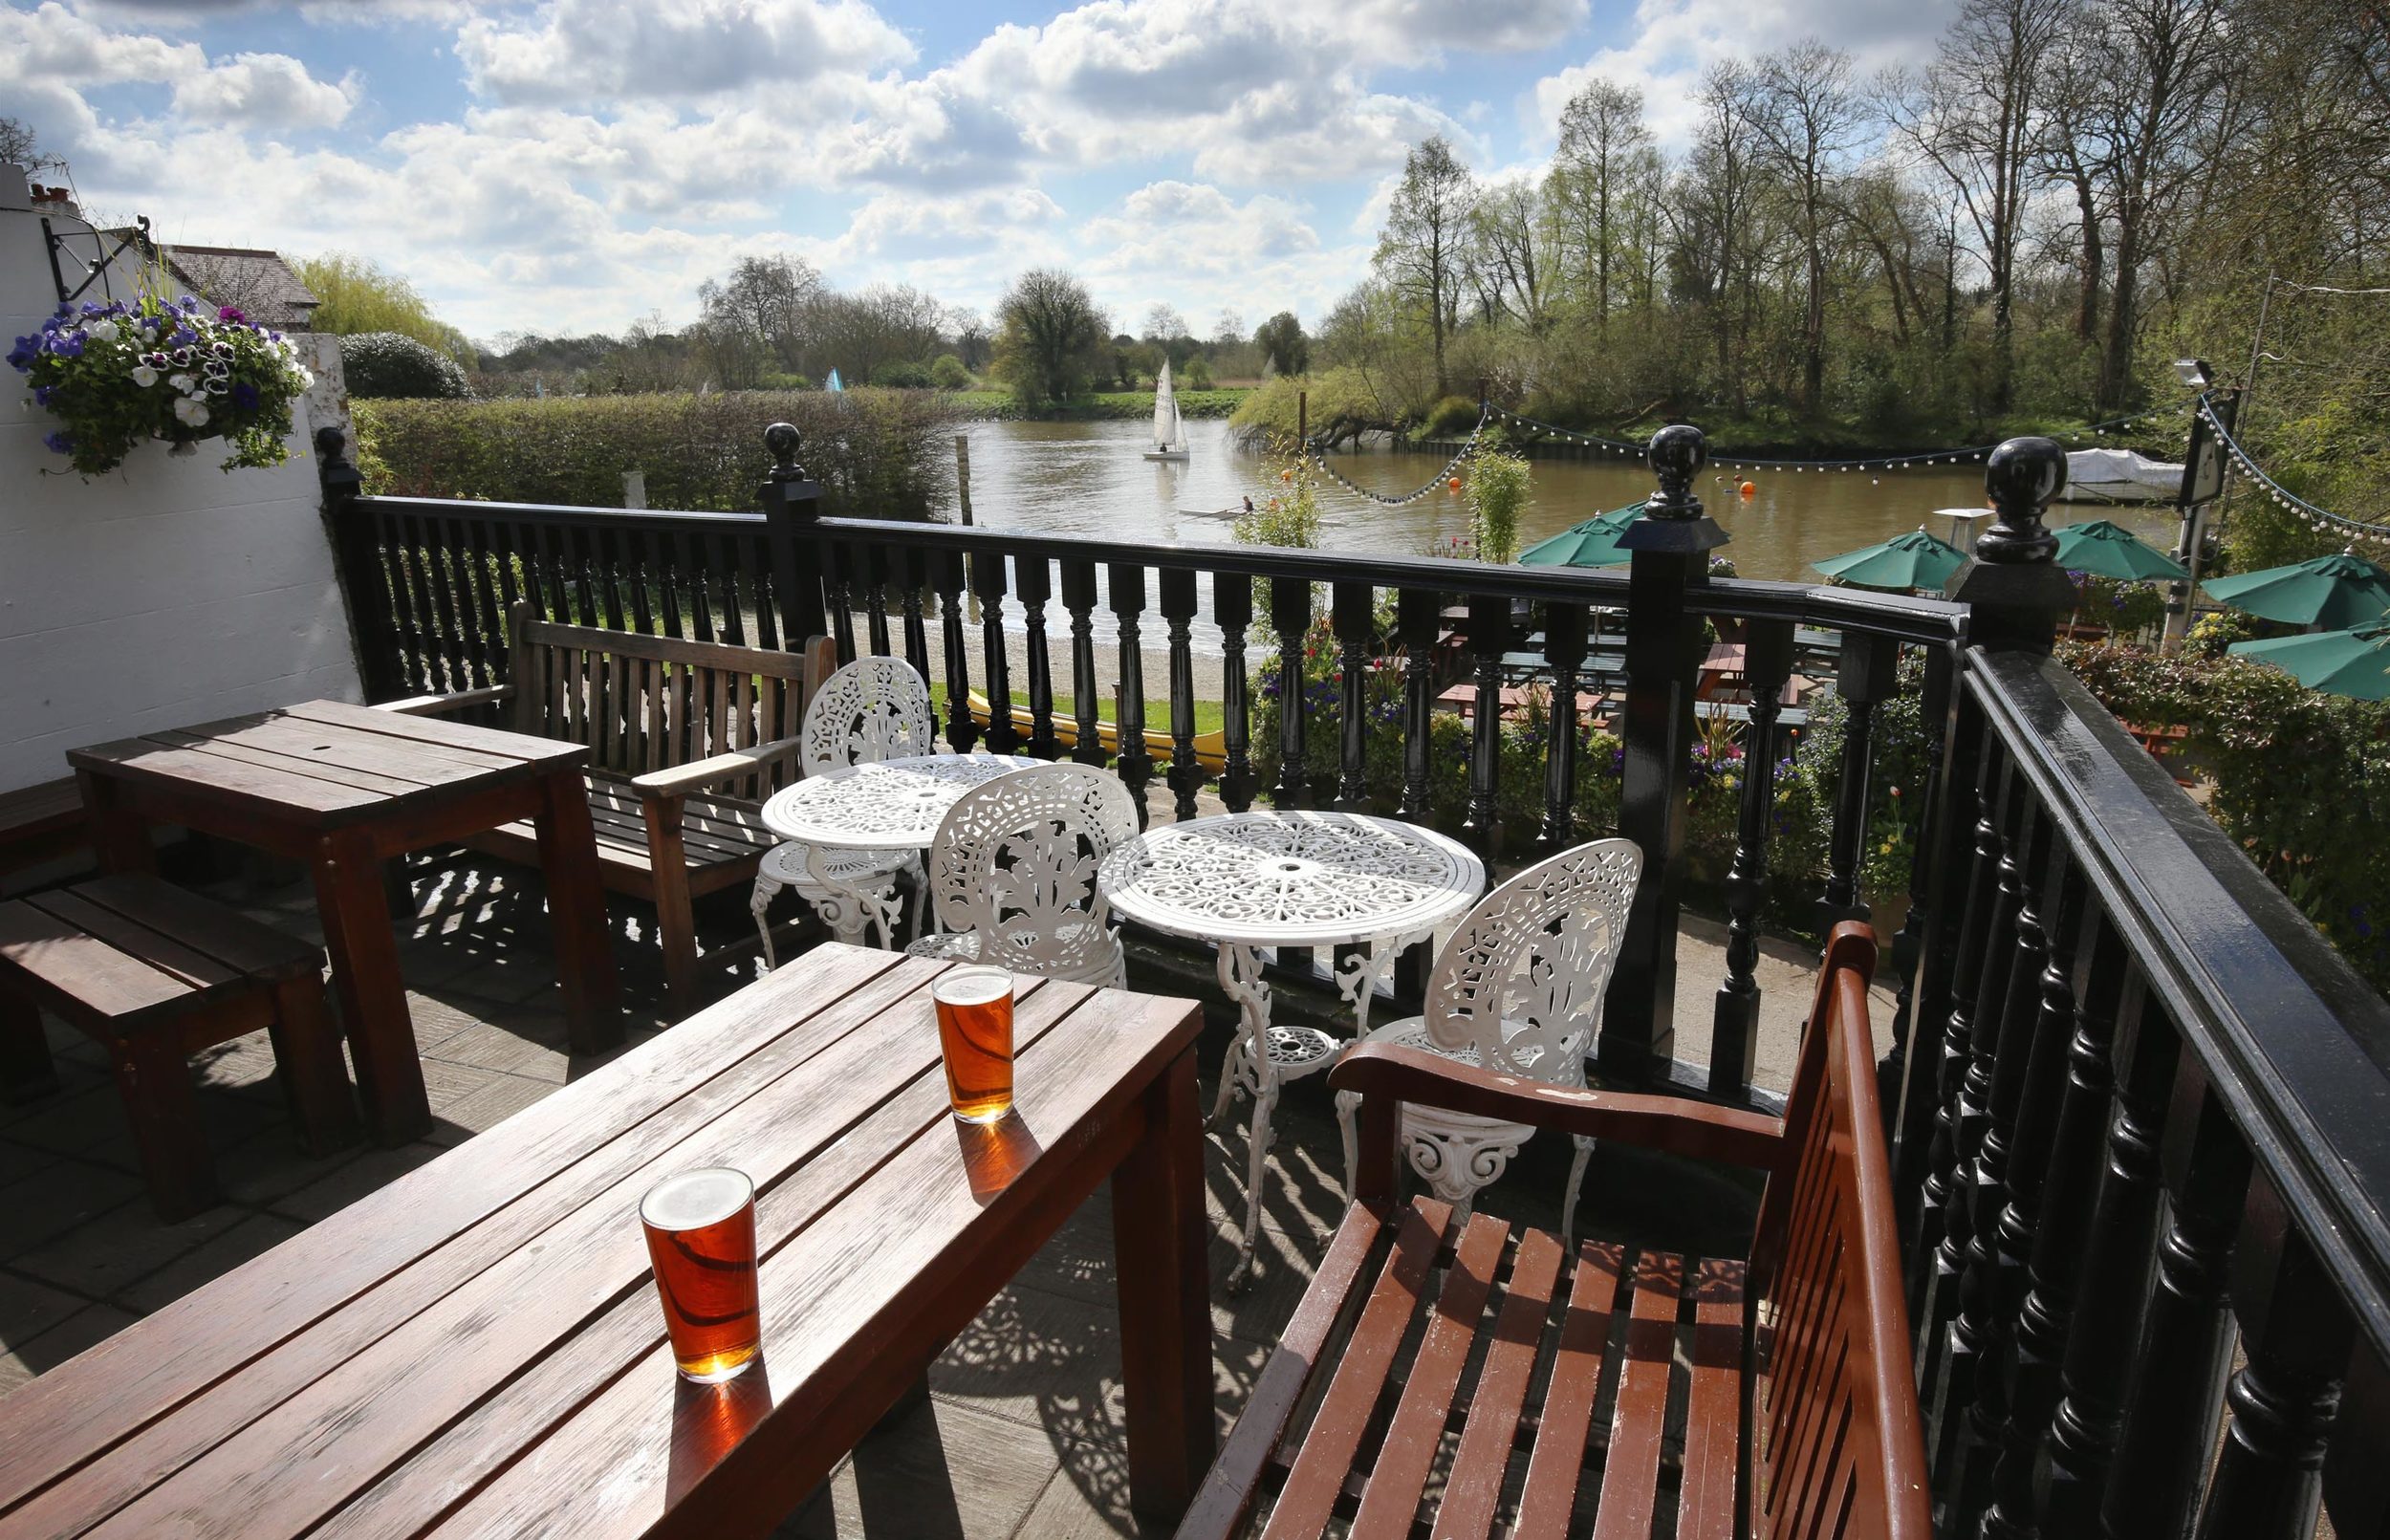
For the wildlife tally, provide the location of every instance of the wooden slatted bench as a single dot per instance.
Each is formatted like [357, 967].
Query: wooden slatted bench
[685, 739]
[40, 823]
[1441, 1377]
[156, 974]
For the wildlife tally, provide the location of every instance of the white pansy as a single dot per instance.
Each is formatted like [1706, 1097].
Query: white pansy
[144, 376]
[102, 331]
[192, 413]
[181, 382]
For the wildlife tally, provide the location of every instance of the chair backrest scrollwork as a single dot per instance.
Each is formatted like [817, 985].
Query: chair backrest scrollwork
[872, 709]
[1521, 981]
[1015, 864]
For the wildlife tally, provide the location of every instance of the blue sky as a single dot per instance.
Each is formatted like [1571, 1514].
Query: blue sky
[575, 165]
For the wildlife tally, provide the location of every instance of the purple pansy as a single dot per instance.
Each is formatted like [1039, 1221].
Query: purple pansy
[60, 443]
[245, 396]
[231, 312]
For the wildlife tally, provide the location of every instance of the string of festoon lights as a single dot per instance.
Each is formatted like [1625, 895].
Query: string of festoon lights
[2307, 513]
[1730, 460]
[1449, 479]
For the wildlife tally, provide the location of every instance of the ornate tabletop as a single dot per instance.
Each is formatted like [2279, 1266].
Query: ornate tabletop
[890, 804]
[1292, 878]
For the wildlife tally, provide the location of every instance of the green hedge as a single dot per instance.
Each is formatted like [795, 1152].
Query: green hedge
[882, 452]
[2302, 778]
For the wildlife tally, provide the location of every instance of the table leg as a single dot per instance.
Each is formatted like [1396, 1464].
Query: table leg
[1248, 1071]
[1359, 977]
[118, 836]
[1158, 1232]
[355, 915]
[577, 915]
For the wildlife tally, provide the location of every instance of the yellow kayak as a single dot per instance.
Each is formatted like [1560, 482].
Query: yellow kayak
[1212, 749]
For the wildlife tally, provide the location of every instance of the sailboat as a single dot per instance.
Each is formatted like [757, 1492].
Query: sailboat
[1169, 433]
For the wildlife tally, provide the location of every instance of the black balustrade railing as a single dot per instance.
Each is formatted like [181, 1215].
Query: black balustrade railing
[2142, 1109]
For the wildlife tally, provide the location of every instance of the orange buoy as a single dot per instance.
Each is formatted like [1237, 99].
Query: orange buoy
[1454, 484]
[1747, 489]
[1285, 475]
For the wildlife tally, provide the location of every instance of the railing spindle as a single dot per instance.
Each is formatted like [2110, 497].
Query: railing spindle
[1488, 638]
[1351, 610]
[1735, 1030]
[987, 582]
[1035, 588]
[914, 578]
[962, 727]
[1291, 617]
[1419, 620]
[1079, 598]
[838, 591]
[1128, 602]
[1232, 606]
[1564, 652]
[1177, 609]
[873, 571]
[1864, 678]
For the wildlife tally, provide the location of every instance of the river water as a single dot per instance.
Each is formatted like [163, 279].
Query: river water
[1089, 479]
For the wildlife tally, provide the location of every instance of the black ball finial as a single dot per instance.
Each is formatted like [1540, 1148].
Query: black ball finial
[331, 442]
[782, 440]
[1678, 453]
[2021, 477]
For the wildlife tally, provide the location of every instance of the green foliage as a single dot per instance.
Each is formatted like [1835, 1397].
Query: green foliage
[2302, 778]
[881, 453]
[1198, 377]
[1101, 407]
[1341, 402]
[392, 366]
[2218, 629]
[1050, 338]
[1284, 348]
[949, 373]
[119, 375]
[1453, 416]
[357, 298]
[1497, 490]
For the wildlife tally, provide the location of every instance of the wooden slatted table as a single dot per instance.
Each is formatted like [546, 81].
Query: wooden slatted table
[346, 788]
[477, 1348]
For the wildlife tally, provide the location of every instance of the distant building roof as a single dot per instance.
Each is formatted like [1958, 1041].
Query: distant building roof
[258, 283]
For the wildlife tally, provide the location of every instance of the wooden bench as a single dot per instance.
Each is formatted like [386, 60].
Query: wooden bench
[685, 739]
[1416, 1351]
[156, 974]
[40, 823]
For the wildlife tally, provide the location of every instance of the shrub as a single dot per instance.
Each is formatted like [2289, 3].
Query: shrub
[774, 379]
[1497, 490]
[902, 375]
[878, 453]
[949, 373]
[1197, 374]
[389, 366]
[1451, 418]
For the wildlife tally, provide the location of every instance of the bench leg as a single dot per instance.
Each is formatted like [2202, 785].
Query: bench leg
[307, 1052]
[576, 916]
[25, 1068]
[156, 1084]
[676, 919]
[364, 952]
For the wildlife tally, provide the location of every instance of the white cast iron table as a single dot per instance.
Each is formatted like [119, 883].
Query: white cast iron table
[887, 804]
[1248, 880]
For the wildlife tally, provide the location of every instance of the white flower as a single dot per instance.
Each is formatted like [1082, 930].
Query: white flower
[192, 413]
[181, 382]
[101, 330]
[144, 376]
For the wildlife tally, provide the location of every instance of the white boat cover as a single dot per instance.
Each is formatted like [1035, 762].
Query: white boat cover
[2120, 476]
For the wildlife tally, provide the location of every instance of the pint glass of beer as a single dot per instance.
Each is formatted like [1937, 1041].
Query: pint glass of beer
[975, 1035]
[701, 1234]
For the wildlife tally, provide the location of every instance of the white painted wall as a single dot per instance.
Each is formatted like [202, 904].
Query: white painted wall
[163, 594]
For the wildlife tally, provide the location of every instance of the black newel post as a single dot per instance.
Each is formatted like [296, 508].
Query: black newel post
[792, 503]
[1671, 545]
[373, 631]
[2013, 584]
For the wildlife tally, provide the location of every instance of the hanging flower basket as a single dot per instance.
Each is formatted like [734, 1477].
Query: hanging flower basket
[116, 375]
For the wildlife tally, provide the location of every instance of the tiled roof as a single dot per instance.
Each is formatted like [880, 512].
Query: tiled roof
[260, 283]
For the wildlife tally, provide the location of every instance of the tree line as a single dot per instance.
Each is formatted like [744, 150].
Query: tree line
[2070, 195]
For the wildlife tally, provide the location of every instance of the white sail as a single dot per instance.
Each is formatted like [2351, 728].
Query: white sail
[1166, 435]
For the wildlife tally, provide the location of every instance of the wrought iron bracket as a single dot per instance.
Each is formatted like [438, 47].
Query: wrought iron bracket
[92, 271]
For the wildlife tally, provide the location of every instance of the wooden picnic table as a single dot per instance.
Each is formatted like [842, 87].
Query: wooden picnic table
[477, 1348]
[345, 788]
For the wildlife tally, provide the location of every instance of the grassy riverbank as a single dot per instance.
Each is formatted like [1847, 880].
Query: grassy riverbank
[1108, 405]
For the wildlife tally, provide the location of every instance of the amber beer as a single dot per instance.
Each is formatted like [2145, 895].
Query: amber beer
[975, 1036]
[701, 1234]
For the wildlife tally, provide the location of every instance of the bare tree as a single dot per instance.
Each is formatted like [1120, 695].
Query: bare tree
[1510, 252]
[1809, 121]
[1971, 116]
[1716, 229]
[757, 314]
[1425, 240]
[1605, 155]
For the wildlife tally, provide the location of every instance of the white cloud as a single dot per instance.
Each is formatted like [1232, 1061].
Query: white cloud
[268, 91]
[50, 48]
[582, 51]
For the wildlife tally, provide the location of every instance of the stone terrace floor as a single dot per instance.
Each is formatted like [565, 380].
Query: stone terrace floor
[1021, 1433]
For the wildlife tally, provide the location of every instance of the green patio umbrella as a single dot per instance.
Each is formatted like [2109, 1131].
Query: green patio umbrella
[1913, 560]
[1594, 542]
[2354, 662]
[2330, 592]
[2105, 549]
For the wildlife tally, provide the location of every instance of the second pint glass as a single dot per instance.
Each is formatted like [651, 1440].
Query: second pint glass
[975, 1037]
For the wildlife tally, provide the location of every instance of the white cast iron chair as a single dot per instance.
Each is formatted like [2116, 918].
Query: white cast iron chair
[872, 709]
[1012, 876]
[1518, 990]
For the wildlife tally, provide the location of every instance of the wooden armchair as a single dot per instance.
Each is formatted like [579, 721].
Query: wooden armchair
[1418, 1344]
[685, 739]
